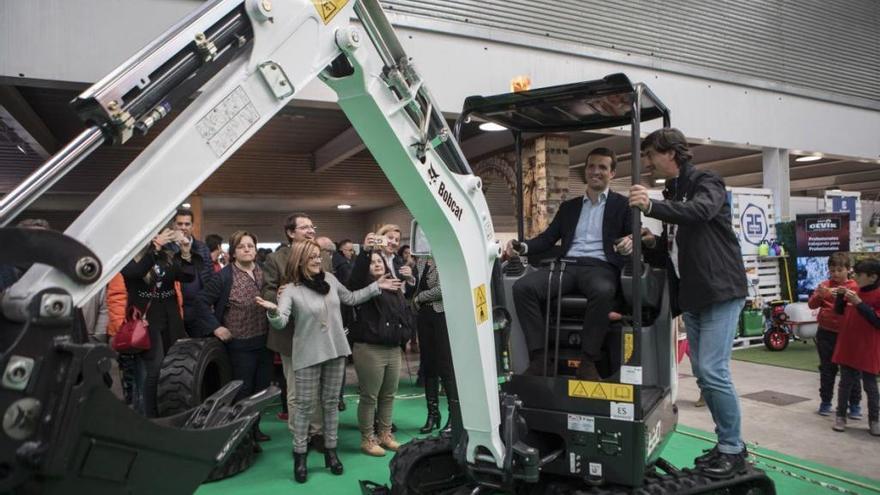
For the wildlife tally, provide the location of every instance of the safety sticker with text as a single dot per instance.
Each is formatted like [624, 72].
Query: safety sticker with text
[600, 390]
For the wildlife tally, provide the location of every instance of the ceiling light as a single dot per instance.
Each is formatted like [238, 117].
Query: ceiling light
[660, 182]
[343, 207]
[808, 158]
[186, 205]
[492, 127]
[21, 149]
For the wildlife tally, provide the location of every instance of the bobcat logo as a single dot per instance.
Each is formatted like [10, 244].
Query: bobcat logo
[432, 175]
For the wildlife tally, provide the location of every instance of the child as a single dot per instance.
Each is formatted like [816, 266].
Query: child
[858, 343]
[826, 338]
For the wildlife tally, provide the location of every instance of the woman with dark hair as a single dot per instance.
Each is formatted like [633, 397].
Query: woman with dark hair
[312, 298]
[149, 281]
[381, 326]
[230, 313]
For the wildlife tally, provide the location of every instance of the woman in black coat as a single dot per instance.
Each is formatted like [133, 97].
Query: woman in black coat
[149, 282]
[380, 327]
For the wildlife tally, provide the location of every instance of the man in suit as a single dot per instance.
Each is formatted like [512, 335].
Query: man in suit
[594, 230]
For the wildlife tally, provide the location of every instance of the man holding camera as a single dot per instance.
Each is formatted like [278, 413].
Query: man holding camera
[202, 264]
[594, 230]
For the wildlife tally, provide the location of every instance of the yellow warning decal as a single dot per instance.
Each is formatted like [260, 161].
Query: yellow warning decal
[617, 392]
[481, 304]
[627, 346]
[328, 9]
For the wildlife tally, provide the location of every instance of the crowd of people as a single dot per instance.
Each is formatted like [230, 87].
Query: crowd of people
[312, 304]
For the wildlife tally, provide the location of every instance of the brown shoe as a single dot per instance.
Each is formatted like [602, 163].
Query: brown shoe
[386, 440]
[369, 446]
[587, 371]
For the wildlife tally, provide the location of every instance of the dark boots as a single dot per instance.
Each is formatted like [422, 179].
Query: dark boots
[331, 461]
[300, 470]
[454, 406]
[432, 398]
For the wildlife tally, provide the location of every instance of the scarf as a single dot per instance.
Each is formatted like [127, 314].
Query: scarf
[317, 284]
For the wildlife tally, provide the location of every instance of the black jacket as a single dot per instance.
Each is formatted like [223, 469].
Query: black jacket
[384, 320]
[163, 314]
[203, 268]
[213, 302]
[616, 223]
[710, 260]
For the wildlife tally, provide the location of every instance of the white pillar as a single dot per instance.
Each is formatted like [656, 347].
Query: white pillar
[776, 178]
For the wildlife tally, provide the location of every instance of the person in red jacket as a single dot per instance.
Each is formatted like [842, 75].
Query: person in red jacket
[826, 337]
[858, 344]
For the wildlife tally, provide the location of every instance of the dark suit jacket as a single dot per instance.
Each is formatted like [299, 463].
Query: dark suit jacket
[213, 302]
[617, 223]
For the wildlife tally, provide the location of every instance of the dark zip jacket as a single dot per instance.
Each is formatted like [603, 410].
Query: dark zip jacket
[709, 257]
[384, 320]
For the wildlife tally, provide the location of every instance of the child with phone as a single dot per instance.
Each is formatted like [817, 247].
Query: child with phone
[823, 299]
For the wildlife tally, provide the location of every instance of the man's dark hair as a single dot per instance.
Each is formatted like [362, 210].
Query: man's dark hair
[602, 151]
[342, 243]
[839, 260]
[869, 266]
[184, 212]
[213, 241]
[667, 139]
[290, 223]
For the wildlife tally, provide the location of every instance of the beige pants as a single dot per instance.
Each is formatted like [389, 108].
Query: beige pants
[378, 370]
[315, 425]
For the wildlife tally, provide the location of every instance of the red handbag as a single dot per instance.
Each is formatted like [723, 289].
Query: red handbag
[134, 333]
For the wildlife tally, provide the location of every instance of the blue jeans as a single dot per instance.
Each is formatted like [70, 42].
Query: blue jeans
[710, 334]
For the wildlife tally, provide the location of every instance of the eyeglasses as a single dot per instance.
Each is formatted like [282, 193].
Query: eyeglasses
[306, 227]
[314, 257]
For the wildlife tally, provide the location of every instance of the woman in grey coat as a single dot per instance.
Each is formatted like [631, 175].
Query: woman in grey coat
[312, 298]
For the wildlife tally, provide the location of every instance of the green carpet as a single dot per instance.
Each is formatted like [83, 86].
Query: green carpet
[799, 355]
[272, 471]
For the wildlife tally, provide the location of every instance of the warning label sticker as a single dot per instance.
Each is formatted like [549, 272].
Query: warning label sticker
[328, 9]
[481, 304]
[228, 121]
[618, 392]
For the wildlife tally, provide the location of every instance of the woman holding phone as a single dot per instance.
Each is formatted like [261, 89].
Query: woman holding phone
[149, 282]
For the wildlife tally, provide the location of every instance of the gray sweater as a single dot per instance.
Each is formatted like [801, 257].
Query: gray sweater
[319, 334]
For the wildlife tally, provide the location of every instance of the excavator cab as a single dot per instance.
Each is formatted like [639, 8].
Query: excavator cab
[609, 431]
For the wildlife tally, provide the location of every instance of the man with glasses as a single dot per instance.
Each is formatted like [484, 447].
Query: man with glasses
[297, 228]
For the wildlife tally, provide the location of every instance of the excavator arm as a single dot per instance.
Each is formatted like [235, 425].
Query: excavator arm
[244, 60]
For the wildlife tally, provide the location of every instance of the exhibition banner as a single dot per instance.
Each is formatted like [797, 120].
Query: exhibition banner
[818, 236]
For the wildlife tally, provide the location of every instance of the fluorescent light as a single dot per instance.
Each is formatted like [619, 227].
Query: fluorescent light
[808, 158]
[186, 205]
[660, 181]
[492, 127]
[343, 207]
